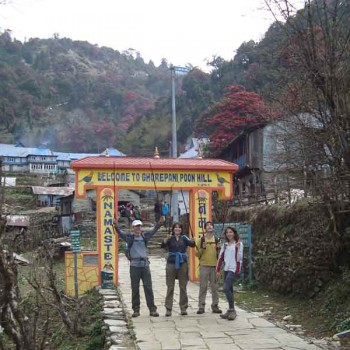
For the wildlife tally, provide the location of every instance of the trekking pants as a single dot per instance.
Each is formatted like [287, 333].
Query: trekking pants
[182, 275]
[141, 273]
[207, 274]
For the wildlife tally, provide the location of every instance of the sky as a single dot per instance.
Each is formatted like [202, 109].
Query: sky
[183, 31]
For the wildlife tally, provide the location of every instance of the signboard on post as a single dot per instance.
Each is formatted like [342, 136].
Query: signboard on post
[245, 235]
[75, 239]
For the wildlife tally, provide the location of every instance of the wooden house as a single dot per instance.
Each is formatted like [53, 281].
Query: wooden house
[263, 173]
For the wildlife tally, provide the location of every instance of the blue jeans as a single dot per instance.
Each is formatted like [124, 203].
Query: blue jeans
[229, 278]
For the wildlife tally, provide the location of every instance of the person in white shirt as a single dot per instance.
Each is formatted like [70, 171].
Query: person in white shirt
[230, 260]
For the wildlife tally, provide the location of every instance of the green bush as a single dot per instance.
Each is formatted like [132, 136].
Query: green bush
[344, 325]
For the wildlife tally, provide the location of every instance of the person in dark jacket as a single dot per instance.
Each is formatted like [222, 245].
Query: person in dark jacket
[176, 268]
[157, 211]
[139, 264]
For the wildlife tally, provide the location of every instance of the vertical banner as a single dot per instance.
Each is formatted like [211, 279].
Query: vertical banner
[200, 213]
[107, 243]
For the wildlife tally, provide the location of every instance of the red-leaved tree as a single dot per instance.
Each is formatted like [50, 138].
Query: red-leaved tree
[238, 111]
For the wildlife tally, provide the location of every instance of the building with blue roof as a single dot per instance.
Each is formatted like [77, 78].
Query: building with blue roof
[41, 160]
[194, 148]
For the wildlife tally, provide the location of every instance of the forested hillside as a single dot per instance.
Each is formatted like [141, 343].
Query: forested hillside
[79, 97]
[74, 95]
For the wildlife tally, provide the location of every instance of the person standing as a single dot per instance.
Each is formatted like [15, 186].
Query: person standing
[139, 264]
[208, 246]
[177, 268]
[165, 212]
[137, 213]
[230, 258]
[157, 211]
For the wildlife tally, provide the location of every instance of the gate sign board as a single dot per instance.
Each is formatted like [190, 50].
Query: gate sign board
[107, 175]
[245, 235]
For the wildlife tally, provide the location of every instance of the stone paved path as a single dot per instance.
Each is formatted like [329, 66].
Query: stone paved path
[197, 332]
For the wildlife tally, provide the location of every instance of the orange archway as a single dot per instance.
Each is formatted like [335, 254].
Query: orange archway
[108, 174]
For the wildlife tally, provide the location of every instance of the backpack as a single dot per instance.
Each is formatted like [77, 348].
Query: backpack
[128, 246]
[221, 260]
[217, 240]
[165, 209]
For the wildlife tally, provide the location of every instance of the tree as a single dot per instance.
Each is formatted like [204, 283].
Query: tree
[238, 111]
[318, 53]
[30, 316]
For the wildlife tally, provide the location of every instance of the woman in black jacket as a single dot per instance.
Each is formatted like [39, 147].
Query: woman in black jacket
[177, 268]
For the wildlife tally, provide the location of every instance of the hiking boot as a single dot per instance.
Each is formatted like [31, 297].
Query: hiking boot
[136, 313]
[154, 313]
[216, 310]
[184, 313]
[200, 311]
[225, 315]
[168, 313]
[232, 314]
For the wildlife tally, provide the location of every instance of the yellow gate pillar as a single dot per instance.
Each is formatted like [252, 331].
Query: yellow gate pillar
[200, 213]
[107, 242]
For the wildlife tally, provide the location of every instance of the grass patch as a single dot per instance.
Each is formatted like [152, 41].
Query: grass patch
[19, 193]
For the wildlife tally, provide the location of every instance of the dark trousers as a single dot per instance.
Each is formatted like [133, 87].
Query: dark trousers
[182, 275]
[144, 274]
[229, 278]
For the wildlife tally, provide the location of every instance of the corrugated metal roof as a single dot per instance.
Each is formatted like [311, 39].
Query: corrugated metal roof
[112, 152]
[38, 211]
[19, 259]
[72, 156]
[17, 220]
[15, 151]
[7, 150]
[191, 153]
[153, 163]
[57, 191]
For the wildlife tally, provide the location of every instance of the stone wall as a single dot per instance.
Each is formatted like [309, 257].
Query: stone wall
[294, 252]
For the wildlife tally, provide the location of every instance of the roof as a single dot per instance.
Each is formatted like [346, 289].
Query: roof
[103, 162]
[113, 152]
[17, 220]
[194, 145]
[72, 156]
[191, 153]
[38, 211]
[17, 151]
[57, 191]
[19, 259]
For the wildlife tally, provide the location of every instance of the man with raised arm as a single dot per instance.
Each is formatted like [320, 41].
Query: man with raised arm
[139, 264]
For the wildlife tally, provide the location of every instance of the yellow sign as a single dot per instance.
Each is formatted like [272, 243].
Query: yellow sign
[150, 179]
[107, 246]
[88, 273]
